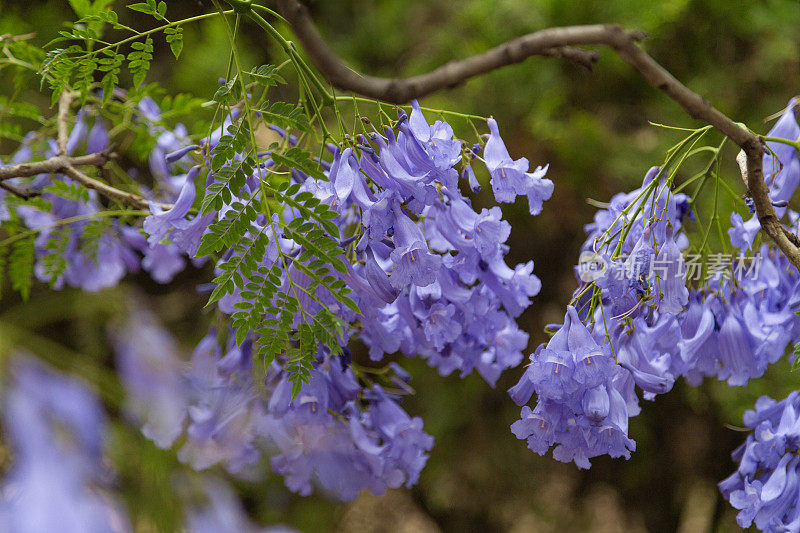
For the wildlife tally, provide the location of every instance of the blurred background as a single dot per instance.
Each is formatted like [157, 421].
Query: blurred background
[593, 129]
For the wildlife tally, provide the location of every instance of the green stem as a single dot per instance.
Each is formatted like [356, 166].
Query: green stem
[241, 6]
[162, 28]
[249, 119]
[70, 220]
[432, 110]
[327, 98]
[269, 11]
[793, 144]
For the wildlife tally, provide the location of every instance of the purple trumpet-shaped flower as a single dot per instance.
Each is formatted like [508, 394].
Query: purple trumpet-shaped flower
[440, 326]
[412, 261]
[377, 278]
[538, 426]
[671, 272]
[742, 233]
[490, 231]
[472, 180]
[437, 140]
[186, 235]
[511, 178]
[649, 382]
[765, 486]
[162, 261]
[348, 181]
[159, 224]
[151, 372]
[179, 154]
[596, 404]
[736, 351]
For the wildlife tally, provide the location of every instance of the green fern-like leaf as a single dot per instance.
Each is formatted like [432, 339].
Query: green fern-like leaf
[286, 115]
[20, 266]
[229, 93]
[228, 231]
[157, 9]
[93, 232]
[68, 191]
[84, 76]
[139, 60]
[111, 64]
[796, 352]
[54, 263]
[266, 75]
[174, 36]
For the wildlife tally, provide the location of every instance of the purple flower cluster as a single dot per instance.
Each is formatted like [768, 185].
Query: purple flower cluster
[59, 478]
[586, 390]
[580, 408]
[345, 439]
[427, 270]
[765, 486]
[116, 251]
[210, 398]
[336, 433]
[650, 327]
[430, 268]
[56, 482]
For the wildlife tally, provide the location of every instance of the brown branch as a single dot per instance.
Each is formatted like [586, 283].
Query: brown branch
[579, 56]
[53, 165]
[63, 164]
[400, 91]
[546, 42]
[126, 198]
[63, 121]
[25, 194]
[793, 238]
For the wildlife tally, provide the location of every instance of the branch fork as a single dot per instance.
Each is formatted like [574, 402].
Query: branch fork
[65, 164]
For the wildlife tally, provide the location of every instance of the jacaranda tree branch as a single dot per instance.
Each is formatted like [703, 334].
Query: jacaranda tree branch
[64, 164]
[551, 42]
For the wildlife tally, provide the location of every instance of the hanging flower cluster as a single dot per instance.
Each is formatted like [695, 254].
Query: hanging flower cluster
[426, 269]
[637, 322]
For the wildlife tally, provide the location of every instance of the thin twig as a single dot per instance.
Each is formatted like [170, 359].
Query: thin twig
[53, 165]
[63, 121]
[400, 91]
[25, 194]
[63, 164]
[794, 239]
[126, 198]
[10, 38]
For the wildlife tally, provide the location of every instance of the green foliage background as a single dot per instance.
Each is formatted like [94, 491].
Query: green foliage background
[593, 130]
